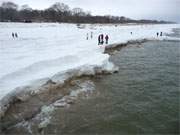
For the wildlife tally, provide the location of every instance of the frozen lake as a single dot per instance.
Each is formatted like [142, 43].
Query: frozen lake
[142, 98]
[44, 50]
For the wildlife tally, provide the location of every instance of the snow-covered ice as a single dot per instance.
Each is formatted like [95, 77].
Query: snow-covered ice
[44, 50]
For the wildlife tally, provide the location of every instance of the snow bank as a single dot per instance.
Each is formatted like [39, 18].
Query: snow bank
[55, 51]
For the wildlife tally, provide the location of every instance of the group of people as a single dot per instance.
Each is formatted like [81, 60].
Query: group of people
[101, 39]
[14, 35]
[159, 34]
[91, 36]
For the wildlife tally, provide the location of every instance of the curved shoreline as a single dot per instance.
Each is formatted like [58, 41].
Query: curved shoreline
[30, 91]
[27, 92]
[24, 93]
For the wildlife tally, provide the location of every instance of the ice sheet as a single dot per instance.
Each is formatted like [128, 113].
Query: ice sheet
[43, 50]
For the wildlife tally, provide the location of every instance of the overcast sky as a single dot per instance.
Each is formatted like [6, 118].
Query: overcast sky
[136, 9]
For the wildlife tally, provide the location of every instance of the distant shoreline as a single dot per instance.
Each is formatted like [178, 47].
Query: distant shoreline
[90, 23]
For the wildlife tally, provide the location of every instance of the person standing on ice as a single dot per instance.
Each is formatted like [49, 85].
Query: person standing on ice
[91, 35]
[102, 39]
[99, 39]
[161, 34]
[13, 35]
[107, 39]
[87, 36]
[16, 35]
[157, 34]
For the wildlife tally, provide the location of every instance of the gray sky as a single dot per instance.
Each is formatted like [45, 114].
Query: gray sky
[136, 9]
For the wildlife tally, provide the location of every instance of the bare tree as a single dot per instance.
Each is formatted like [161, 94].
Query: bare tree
[78, 12]
[9, 5]
[26, 13]
[26, 8]
[60, 7]
[9, 11]
[59, 12]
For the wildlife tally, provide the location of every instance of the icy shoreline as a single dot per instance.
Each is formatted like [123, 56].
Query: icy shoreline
[44, 116]
[24, 93]
[96, 63]
[71, 76]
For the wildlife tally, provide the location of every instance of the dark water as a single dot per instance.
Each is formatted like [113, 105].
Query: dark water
[143, 98]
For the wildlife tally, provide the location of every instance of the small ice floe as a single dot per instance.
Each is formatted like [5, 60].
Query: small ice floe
[43, 119]
[45, 116]
[25, 124]
[85, 87]
[44, 123]
[65, 101]
[47, 110]
[60, 103]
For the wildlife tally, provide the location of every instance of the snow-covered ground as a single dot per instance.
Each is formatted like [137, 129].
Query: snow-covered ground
[44, 50]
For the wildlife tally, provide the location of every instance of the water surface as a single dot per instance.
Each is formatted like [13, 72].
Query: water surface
[143, 98]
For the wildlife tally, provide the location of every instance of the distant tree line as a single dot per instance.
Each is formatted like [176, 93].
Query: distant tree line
[58, 12]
